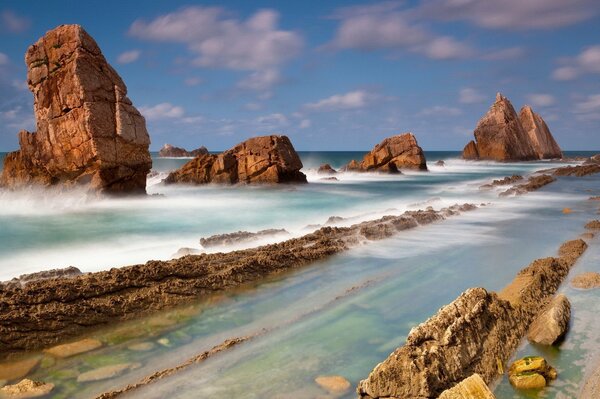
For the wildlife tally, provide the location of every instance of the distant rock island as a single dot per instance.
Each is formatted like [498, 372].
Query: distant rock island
[263, 159]
[88, 131]
[170, 151]
[392, 154]
[502, 135]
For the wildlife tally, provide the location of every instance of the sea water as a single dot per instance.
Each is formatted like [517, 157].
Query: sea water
[340, 316]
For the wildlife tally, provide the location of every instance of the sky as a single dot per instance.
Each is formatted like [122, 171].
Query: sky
[332, 75]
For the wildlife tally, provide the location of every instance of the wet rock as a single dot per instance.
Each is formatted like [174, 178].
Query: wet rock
[170, 151]
[503, 182]
[326, 169]
[586, 281]
[579, 170]
[334, 220]
[593, 225]
[472, 387]
[333, 384]
[265, 159]
[332, 178]
[27, 389]
[89, 133]
[597, 198]
[74, 348]
[391, 155]
[552, 324]
[533, 183]
[240, 237]
[18, 369]
[440, 163]
[185, 252]
[107, 372]
[44, 275]
[531, 372]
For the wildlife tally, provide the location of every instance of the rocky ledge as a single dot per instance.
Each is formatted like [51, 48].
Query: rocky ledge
[477, 333]
[391, 155]
[44, 312]
[88, 132]
[240, 237]
[265, 159]
[170, 151]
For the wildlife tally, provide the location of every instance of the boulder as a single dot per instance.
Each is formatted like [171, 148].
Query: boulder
[74, 348]
[326, 169]
[334, 384]
[391, 155]
[552, 324]
[27, 389]
[586, 281]
[88, 132]
[170, 151]
[504, 135]
[472, 387]
[532, 372]
[265, 159]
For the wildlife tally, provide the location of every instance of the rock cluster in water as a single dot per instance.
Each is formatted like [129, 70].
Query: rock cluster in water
[504, 135]
[391, 155]
[170, 151]
[88, 131]
[531, 372]
[264, 159]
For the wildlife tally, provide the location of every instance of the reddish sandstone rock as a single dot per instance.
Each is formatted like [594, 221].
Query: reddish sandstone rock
[391, 155]
[88, 131]
[539, 134]
[470, 151]
[265, 159]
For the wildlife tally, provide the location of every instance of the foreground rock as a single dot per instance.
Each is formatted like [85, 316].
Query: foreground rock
[477, 333]
[531, 373]
[552, 324]
[240, 237]
[170, 151]
[89, 133]
[502, 135]
[391, 155]
[44, 275]
[74, 348]
[27, 389]
[472, 387]
[586, 281]
[334, 384]
[14, 370]
[44, 312]
[265, 159]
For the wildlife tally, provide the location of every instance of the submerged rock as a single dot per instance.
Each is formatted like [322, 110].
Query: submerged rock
[472, 387]
[74, 348]
[18, 369]
[333, 384]
[107, 372]
[586, 281]
[531, 373]
[265, 159]
[27, 389]
[391, 155]
[552, 324]
[170, 151]
[89, 133]
[141, 347]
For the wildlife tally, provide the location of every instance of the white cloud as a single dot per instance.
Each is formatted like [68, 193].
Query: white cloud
[588, 109]
[262, 80]
[541, 100]
[18, 118]
[469, 95]
[511, 14]
[162, 111]
[129, 56]
[588, 61]
[276, 119]
[13, 22]
[305, 124]
[440, 110]
[351, 100]
[3, 59]
[384, 26]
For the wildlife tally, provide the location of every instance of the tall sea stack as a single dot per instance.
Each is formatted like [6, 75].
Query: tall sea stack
[88, 132]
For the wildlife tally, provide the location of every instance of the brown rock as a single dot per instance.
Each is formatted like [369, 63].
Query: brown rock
[18, 369]
[326, 169]
[579, 170]
[502, 135]
[265, 159]
[593, 225]
[89, 133]
[533, 183]
[333, 384]
[74, 348]
[440, 163]
[552, 324]
[391, 155]
[586, 281]
[170, 151]
[27, 389]
[472, 387]
[239, 237]
[532, 372]
[107, 372]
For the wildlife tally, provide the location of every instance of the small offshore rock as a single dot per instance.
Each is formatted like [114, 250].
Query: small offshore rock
[27, 389]
[332, 178]
[107, 372]
[170, 151]
[333, 384]
[586, 281]
[567, 211]
[552, 324]
[326, 169]
[440, 163]
[74, 348]
[472, 387]
[391, 155]
[593, 225]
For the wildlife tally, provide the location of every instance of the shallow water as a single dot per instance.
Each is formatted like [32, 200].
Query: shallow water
[341, 316]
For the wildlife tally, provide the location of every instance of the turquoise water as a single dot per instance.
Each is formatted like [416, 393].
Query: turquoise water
[341, 316]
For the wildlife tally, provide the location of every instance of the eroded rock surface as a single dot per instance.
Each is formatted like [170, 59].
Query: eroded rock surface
[533, 183]
[539, 134]
[472, 387]
[170, 151]
[552, 324]
[27, 389]
[88, 131]
[240, 237]
[391, 155]
[264, 159]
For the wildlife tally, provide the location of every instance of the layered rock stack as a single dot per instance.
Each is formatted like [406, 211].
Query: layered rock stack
[170, 151]
[391, 155]
[88, 131]
[265, 159]
[504, 135]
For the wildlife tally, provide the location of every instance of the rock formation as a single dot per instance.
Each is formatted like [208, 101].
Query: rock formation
[552, 324]
[240, 237]
[265, 159]
[88, 131]
[391, 155]
[476, 333]
[472, 387]
[170, 151]
[502, 135]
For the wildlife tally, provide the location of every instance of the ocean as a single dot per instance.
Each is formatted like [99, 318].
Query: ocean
[340, 316]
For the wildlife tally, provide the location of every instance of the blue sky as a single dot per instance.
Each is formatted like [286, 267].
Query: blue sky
[332, 75]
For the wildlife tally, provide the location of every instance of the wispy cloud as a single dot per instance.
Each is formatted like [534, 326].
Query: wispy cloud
[469, 95]
[352, 100]
[541, 100]
[588, 61]
[589, 108]
[440, 110]
[129, 56]
[14, 23]
[3, 59]
[162, 111]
